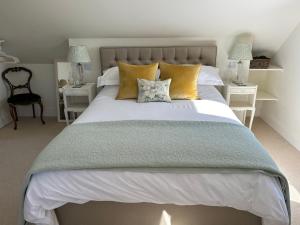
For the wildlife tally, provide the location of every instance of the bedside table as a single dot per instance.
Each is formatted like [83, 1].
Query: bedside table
[88, 90]
[242, 98]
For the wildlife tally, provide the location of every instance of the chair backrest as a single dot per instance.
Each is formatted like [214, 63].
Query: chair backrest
[20, 86]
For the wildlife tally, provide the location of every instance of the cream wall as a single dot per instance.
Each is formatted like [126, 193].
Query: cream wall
[284, 115]
[36, 31]
[42, 83]
[4, 112]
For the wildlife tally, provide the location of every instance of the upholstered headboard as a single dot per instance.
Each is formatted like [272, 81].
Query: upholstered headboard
[109, 56]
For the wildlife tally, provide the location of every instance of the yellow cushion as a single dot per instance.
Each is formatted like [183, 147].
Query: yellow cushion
[128, 78]
[184, 79]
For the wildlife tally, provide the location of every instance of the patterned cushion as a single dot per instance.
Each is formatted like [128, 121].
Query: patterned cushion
[153, 91]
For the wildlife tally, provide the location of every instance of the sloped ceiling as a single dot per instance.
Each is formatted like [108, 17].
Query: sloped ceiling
[37, 30]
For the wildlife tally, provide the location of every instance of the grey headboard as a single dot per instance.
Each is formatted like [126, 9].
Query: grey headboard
[109, 56]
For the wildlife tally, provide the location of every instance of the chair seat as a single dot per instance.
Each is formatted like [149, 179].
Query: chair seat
[24, 99]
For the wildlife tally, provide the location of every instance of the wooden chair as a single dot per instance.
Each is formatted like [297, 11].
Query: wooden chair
[23, 98]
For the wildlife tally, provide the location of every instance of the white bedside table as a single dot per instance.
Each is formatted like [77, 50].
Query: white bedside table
[88, 90]
[242, 98]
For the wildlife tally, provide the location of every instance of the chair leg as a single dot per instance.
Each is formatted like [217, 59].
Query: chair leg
[42, 111]
[33, 111]
[16, 113]
[13, 115]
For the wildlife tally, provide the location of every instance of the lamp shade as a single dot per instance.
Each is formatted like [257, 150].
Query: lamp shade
[241, 51]
[78, 54]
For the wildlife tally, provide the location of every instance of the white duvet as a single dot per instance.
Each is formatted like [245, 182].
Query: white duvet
[254, 192]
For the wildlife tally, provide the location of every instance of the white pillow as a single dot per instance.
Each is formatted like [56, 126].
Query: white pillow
[209, 75]
[111, 77]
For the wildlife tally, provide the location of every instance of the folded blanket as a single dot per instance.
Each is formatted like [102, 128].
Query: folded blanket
[157, 145]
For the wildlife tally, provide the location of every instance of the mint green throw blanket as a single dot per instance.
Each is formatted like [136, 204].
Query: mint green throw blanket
[166, 145]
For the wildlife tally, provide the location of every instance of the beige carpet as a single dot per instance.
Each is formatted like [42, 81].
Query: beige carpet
[19, 148]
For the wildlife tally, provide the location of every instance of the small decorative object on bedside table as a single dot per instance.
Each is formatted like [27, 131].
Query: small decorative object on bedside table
[79, 55]
[241, 50]
[242, 99]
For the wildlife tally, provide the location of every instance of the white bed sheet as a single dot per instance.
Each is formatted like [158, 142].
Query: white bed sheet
[212, 107]
[254, 192]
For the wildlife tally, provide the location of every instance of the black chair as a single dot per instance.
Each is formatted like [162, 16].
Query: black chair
[23, 98]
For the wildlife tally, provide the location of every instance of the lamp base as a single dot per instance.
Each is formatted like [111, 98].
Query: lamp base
[77, 85]
[80, 70]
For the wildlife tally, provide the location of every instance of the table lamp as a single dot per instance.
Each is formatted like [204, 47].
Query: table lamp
[241, 50]
[79, 55]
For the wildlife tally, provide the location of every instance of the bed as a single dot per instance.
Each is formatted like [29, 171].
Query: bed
[150, 194]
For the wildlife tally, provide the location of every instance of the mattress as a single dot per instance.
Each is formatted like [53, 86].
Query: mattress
[254, 192]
